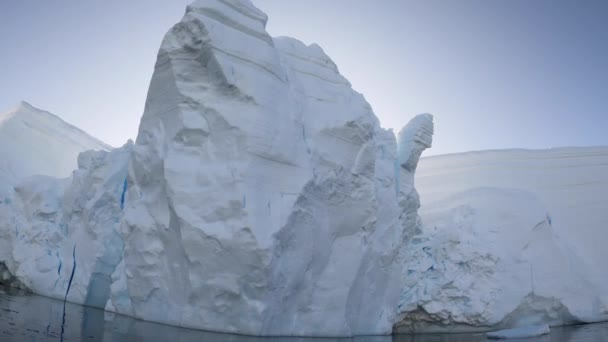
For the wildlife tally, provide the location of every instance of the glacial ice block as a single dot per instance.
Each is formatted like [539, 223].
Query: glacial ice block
[261, 196]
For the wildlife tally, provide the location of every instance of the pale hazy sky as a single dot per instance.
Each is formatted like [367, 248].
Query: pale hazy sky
[495, 74]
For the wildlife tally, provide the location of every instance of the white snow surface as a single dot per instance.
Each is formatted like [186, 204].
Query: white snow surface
[510, 238]
[36, 142]
[261, 196]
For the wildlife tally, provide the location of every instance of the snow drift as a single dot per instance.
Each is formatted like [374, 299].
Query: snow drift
[261, 196]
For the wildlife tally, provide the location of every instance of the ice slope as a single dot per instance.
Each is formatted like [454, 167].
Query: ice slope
[35, 142]
[511, 238]
[261, 196]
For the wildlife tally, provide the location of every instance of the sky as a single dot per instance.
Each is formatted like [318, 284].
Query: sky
[495, 74]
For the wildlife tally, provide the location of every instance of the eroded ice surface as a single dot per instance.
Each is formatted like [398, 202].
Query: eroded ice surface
[261, 196]
[511, 238]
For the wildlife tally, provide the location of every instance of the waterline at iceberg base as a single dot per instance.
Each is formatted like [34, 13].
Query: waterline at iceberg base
[261, 197]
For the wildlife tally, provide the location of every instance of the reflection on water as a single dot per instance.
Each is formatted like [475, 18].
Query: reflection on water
[35, 318]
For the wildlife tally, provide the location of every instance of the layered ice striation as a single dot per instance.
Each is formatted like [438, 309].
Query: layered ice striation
[261, 196]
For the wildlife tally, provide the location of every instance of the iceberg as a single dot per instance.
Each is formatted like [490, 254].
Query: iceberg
[510, 238]
[260, 197]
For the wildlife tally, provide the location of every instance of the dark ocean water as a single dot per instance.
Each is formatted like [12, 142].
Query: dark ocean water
[33, 318]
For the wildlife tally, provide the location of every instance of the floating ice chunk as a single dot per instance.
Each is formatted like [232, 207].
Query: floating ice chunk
[522, 332]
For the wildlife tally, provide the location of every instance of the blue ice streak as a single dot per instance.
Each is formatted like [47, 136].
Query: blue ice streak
[122, 197]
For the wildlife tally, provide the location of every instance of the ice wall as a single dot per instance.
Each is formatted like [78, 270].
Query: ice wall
[511, 238]
[261, 196]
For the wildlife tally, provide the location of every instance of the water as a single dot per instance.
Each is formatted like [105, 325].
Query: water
[33, 319]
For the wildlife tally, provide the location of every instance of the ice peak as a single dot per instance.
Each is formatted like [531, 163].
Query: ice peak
[25, 105]
[414, 138]
[20, 107]
[34, 118]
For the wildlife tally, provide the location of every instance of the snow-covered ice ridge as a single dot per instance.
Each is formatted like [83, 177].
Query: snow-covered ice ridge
[512, 238]
[260, 197]
[36, 142]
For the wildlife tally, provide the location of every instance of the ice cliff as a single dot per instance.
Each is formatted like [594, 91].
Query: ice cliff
[260, 197]
[511, 238]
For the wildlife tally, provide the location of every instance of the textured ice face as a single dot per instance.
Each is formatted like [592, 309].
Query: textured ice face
[261, 196]
[276, 206]
[62, 238]
[414, 138]
[490, 258]
[505, 257]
